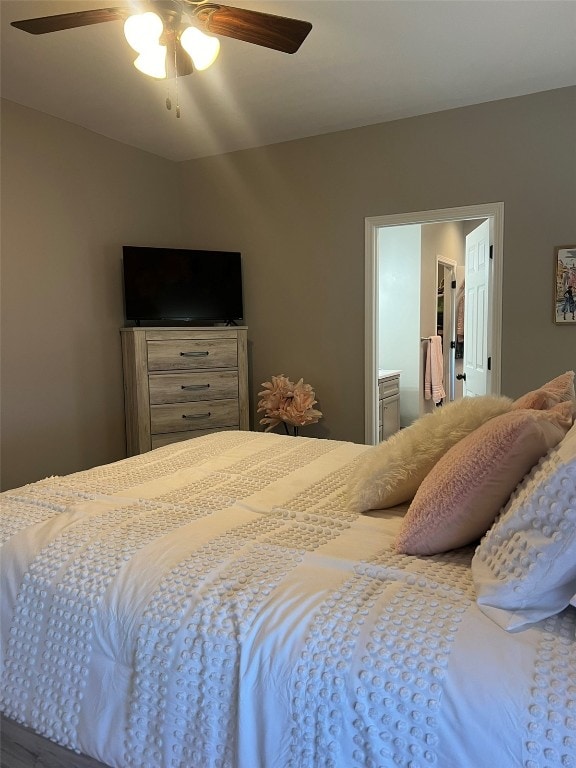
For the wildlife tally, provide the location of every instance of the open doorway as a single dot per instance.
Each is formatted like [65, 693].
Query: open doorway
[410, 299]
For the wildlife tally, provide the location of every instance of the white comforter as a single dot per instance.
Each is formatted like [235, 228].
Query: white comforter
[214, 603]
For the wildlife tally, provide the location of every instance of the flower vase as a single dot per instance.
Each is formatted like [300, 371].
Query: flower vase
[287, 403]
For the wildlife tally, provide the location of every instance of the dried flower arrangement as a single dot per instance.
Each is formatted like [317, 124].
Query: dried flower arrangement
[286, 403]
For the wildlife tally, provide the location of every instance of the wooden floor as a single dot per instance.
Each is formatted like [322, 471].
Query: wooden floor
[22, 748]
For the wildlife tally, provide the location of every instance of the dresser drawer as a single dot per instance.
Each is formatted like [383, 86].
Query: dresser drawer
[388, 387]
[185, 354]
[157, 441]
[207, 414]
[190, 387]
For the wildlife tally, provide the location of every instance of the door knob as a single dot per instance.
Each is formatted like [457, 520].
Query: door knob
[461, 376]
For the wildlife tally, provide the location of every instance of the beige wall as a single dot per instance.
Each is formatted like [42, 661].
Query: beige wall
[70, 199]
[297, 210]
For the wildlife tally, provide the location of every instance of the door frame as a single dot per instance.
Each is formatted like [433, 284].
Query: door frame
[493, 211]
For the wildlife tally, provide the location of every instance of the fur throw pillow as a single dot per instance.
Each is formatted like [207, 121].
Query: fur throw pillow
[390, 473]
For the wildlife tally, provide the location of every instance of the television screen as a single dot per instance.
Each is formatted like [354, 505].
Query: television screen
[174, 285]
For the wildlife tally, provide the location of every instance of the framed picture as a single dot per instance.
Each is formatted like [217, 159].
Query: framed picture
[565, 284]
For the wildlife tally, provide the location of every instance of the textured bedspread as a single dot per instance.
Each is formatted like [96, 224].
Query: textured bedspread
[213, 603]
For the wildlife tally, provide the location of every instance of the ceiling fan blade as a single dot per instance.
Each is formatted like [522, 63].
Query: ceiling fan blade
[69, 20]
[278, 32]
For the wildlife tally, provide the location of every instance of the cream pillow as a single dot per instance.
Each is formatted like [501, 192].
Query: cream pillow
[524, 569]
[559, 390]
[391, 472]
[460, 498]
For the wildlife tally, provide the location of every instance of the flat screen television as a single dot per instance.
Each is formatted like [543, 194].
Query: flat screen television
[180, 286]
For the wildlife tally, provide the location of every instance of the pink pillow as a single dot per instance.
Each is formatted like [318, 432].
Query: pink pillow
[559, 390]
[459, 499]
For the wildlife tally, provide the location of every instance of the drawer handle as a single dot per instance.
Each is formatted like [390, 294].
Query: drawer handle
[194, 354]
[196, 415]
[195, 386]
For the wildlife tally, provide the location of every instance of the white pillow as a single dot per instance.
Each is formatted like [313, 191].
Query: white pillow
[390, 473]
[525, 567]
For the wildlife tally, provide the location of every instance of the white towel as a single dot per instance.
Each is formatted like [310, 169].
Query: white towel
[434, 374]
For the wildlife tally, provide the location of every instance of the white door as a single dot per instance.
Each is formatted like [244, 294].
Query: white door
[476, 311]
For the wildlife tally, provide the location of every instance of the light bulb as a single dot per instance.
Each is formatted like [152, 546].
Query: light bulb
[143, 31]
[202, 48]
[152, 62]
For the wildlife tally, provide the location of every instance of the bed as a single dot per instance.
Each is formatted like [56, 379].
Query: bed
[220, 603]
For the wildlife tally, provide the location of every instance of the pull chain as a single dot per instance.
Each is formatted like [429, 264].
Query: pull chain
[176, 78]
[168, 97]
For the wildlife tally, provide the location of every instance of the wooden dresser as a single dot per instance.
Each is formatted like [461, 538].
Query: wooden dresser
[183, 382]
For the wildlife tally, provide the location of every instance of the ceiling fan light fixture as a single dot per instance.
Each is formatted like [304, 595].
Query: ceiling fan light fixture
[203, 49]
[143, 31]
[152, 62]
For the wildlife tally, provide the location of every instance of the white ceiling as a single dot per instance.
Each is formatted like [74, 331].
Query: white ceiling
[364, 62]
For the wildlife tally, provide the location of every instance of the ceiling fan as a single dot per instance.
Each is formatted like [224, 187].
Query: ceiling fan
[163, 32]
